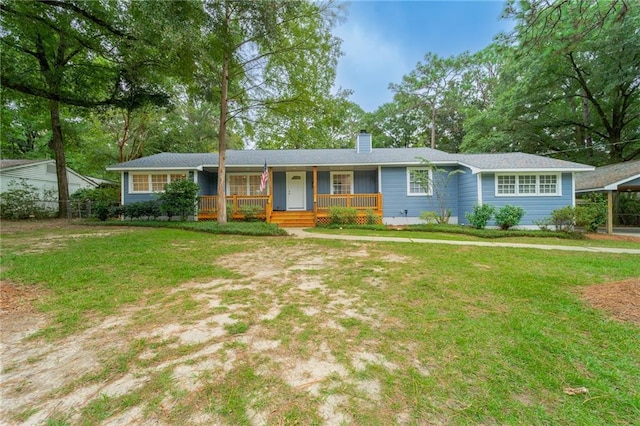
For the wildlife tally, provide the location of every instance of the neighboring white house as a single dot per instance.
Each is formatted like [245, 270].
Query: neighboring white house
[40, 174]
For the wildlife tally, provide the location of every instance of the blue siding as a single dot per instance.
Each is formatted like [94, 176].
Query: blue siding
[536, 207]
[324, 185]
[467, 194]
[279, 191]
[208, 183]
[309, 189]
[134, 198]
[365, 181]
[396, 200]
[364, 143]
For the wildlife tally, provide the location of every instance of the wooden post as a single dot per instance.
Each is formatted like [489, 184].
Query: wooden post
[269, 209]
[315, 193]
[610, 212]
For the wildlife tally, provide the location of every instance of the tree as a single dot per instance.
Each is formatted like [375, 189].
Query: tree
[269, 54]
[569, 85]
[70, 53]
[426, 87]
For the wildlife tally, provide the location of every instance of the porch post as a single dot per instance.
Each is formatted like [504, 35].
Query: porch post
[610, 212]
[315, 193]
[269, 208]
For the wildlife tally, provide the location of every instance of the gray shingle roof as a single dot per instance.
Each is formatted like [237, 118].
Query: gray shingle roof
[509, 161]
[344, 157]
[5, 164]
[606, 176]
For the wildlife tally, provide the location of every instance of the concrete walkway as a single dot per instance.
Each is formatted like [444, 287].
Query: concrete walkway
[300, 233]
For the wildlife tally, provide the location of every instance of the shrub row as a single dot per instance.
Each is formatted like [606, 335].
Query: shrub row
[506, 217]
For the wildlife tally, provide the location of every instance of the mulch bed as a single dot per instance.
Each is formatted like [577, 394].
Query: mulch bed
[620, 299]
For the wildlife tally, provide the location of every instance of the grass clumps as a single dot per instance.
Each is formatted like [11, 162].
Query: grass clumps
[255, 229]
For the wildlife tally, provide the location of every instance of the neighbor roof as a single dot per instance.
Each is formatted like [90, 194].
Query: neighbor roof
[5, 164]
[342, 157]
[608, 178]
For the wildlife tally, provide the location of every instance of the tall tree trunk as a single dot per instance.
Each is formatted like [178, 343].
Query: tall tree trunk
[222, 138]
[588, 140]
[57, 146]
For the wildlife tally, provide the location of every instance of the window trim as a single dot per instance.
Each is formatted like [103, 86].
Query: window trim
[429, 191]
[228, 183]
[150, 182]
[537, 193]
[338, 172]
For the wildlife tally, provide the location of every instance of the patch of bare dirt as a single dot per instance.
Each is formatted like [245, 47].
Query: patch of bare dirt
[606, 237]
[17, 299]
[620, 299]
[41, 380]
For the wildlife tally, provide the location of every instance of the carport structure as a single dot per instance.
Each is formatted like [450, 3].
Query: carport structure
[611, 179]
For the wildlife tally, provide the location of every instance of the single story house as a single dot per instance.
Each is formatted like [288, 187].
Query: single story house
[40, 174]
[303, 184]
[611, 180]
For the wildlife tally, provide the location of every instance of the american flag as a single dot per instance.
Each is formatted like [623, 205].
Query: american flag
[264, 178]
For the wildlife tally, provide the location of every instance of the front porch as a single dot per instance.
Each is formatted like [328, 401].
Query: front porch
[240, 206]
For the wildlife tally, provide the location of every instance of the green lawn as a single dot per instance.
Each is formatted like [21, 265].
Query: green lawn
[462, 237]
[314, 331]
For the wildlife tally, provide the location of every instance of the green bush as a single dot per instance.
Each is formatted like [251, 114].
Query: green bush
[592, 215]
[372, 218]
[564, 218]
[429, 217]
[96, 202]
[342, 215]
[180, 198]
[509, 216]
[480, 216]
[250, 212]
[149, 210]
[23, 201]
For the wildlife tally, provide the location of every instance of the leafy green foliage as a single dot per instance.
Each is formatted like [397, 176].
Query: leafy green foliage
[342, 215]
[180, 198]
[24, 201]
[250, 212]
[150, 210]
[509, 216]
[592, 213]
[96, 202]
[436, 183]
[564, 218]
[481, 215]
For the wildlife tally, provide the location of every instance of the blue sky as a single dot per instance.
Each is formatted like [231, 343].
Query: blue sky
[384, 40]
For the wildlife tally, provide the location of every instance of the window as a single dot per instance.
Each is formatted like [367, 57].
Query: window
[140, 183]
[152, 182]
[549, 184]
[158, 182]
[527, 184]
[523, 185]
[248, 184]
[418, 181]
[342, 183]
[506, 185]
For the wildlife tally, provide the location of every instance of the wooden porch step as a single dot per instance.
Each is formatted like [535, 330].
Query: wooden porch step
[302, 219]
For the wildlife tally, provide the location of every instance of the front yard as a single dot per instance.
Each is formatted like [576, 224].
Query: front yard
[111, 325]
